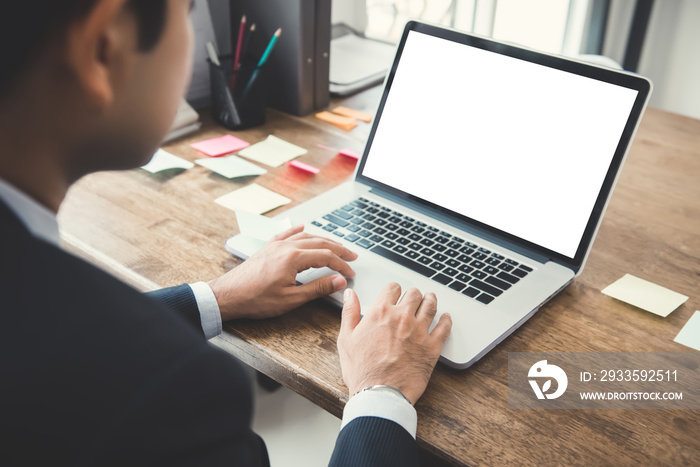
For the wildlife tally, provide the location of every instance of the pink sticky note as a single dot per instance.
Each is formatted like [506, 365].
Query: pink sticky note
[349, 153]
[219, 146]
[304, 167]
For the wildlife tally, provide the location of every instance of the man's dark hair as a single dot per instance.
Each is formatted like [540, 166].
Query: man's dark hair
[27, 25]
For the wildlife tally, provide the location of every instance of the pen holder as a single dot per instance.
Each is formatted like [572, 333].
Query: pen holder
[236, 101]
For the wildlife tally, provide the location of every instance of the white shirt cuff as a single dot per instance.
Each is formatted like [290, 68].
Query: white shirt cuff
[383, 405]
[209, 312]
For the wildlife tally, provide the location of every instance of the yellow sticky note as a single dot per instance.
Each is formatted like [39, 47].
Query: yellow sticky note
[645, 295]
[690, 334]
[346, 123]
[273, 151]
[253, 198]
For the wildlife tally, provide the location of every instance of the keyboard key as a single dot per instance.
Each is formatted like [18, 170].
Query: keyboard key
[463, 278]
[490, 270]
[454, 245]
[479, 275]
[505, 267]
[427, 252]
[343, 214]
[368, 225]
[429, 234]
[380, 231]
[359, 204]
[452, 253]
[520, 273]
[364, 243]
[477, 255]
[364, 233]
[492, 261]
[400, 249]
[388, 244]
[437, 266]
[433, 229]
[471, 292]
[443, 279]
[338, 234]
[357, 221]
[471, 245]
[316, 223]
[336, 220]
[458, 240]
[384, 208]
[392, 227]
[464, 258]
[406, 224]
[352, 237]
[484, 298]
[498, 283]
[357, 212]
[391, 236]
[421, 224]
[527, 268]
[372, 210]
[403, 241]
[425, 260]
[415, 246]
[476, 264]
[395, 219]
[403, 232]
[384, 214]
[330, 228]
[440, 248]
[453, 263]
[369, 217]
[457, 285]
[409, 219]
[426, 242]
[352, 228]
[376, 238]
[484, 250]
[511, 262]
[508, 277]
[484, 287]
[381, 222]
[417, 229]
[497, 256]
[412, 254]
[415, 237]
[466, 250]
[465, 269]
[440, 257]
[450, 272]
[442, 239]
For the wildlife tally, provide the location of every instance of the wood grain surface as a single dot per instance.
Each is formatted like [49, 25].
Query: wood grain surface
[166, 229]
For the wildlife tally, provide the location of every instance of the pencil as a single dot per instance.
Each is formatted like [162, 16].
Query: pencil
[237, 57]
[262, 61]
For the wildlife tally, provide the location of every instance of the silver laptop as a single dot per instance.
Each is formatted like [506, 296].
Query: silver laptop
[484, 180]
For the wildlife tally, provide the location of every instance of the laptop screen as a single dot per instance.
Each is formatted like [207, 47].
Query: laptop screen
[517, 146]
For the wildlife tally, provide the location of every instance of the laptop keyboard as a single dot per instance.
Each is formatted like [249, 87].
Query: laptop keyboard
[463, 266]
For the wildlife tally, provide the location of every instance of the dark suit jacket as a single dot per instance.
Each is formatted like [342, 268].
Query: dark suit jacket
[93, 372]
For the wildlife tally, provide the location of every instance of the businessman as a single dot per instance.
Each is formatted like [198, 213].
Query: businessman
[93, 372]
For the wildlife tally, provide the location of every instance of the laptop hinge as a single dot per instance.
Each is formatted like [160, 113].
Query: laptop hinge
[461, 225]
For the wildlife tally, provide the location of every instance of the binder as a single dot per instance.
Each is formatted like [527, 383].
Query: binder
[298, 68]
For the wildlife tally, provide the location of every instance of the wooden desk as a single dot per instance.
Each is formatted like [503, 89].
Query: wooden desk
[167, 230]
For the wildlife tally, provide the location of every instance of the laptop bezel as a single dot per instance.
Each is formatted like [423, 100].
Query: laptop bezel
[621, 78]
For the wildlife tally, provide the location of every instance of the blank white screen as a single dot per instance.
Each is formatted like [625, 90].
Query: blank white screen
[518, 146]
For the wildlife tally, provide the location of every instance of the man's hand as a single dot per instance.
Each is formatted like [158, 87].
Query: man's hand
[265, 286]
[391, 345]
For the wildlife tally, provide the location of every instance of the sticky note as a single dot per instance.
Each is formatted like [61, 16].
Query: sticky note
[646, 295]
[231, 167]
[253, 198]
[219, 146]
[305, 167]
[273, 151]
[690, 334]
[352, 113]
[345, 123]
[163, 160]
[349, 153]
[260, 227]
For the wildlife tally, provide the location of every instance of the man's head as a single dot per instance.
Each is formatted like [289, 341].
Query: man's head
[99, 80]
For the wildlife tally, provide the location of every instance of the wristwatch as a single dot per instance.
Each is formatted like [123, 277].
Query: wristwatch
[384, 388]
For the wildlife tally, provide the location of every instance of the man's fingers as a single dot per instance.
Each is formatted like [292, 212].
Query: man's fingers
[411, 300]
[351, 311]
[321, 287]
[428, 308]
[288, 233]
[390, 294]
[442, 329]
[321, 259]
[318, 243]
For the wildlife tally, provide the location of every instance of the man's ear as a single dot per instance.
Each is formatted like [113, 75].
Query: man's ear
[96, 45]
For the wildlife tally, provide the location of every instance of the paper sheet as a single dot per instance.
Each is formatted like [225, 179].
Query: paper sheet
[231, 167]
[260, 227]
[163, 160]
[219, 146]
[253, 198]
[646, 295]
[273, 151]
[690, 334]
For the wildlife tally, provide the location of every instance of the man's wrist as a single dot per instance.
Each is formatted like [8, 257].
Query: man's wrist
[385, 388]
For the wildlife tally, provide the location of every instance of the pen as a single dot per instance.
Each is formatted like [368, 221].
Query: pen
[237, 56]
[211, 51]
[246, 44]
[262, 61]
